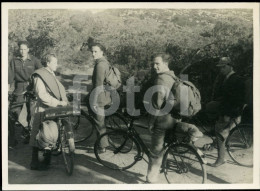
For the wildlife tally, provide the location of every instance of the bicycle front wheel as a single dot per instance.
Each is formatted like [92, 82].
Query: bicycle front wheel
[240, 145]
[183, 165]
[67, 149]
[82, 127]
[121, 153]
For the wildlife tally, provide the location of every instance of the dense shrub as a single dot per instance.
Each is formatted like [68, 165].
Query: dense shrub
[132, 37]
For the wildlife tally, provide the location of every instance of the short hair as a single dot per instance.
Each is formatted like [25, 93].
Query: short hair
[102, 48]
[23, 43]
[47, 58]
[165, 57]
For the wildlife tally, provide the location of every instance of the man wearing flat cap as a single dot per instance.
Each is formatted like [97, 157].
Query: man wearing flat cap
[228, 104]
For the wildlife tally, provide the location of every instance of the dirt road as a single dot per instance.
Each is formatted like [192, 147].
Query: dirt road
[89, 171]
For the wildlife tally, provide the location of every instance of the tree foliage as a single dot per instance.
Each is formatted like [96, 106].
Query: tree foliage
[133, 36]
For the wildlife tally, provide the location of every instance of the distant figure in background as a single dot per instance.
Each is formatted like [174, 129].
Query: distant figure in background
[50, 93]
[20, 70]
[100, 71]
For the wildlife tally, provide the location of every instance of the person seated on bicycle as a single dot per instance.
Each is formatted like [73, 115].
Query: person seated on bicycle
[50, 93]
[19, 72]
[228, 104]
[160, 124]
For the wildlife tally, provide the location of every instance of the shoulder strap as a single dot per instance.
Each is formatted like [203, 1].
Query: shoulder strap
[174, 77]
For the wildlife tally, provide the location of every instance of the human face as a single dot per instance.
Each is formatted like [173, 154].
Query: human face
[24, 50]
[97, 52]
[159, 65]
[53, 64]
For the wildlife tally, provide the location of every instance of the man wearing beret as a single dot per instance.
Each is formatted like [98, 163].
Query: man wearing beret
[228, 104]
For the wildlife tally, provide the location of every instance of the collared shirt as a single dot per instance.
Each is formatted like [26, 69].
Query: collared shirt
[20, 70]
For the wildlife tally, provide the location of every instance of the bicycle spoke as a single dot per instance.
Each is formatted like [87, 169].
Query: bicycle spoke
[240, 145]
[184, 167]
[121, 153]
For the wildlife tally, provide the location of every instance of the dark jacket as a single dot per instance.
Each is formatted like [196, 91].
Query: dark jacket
[98, 79]
[232, 95]
[21, 71]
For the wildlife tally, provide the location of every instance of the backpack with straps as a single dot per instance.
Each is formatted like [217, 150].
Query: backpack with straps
[186, 97]
[113, 77]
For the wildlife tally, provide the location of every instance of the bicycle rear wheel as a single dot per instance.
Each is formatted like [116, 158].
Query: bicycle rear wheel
[116, 121]
[240, 145]
[121, 153]
[183, 165]
[67, 149]
[82, 126]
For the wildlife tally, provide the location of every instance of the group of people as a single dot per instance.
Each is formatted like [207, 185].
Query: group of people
[51, 93]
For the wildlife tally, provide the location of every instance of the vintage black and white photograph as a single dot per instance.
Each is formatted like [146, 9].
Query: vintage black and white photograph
[156, 95]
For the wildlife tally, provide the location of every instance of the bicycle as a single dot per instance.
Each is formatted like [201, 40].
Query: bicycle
[239, 143]
[65, 143]
[182, 161]
[83, 125]
[12, 116]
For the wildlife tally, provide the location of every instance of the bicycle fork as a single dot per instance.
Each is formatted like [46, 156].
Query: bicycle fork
[181, 167]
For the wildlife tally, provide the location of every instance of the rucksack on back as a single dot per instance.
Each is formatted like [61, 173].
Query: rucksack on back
[113, 77]
[187, 98]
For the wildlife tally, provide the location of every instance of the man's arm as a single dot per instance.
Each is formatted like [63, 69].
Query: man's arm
[100, 75]
[162, 93]
[99, 80]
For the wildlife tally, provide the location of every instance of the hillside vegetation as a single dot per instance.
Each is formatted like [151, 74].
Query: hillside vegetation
[132, 36]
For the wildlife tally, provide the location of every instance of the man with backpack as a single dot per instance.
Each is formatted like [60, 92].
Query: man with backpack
[160, 122]
[103, 98]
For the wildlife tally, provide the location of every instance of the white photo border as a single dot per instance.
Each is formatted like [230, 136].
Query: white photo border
[44, 5]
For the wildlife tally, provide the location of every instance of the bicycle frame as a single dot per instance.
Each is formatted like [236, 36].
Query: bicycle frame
[144, 149]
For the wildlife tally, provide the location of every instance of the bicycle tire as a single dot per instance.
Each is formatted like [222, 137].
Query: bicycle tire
[240, 145]
[83, 127]
[179, 171]
[115, 122]
[67, 153]
[122, 152]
